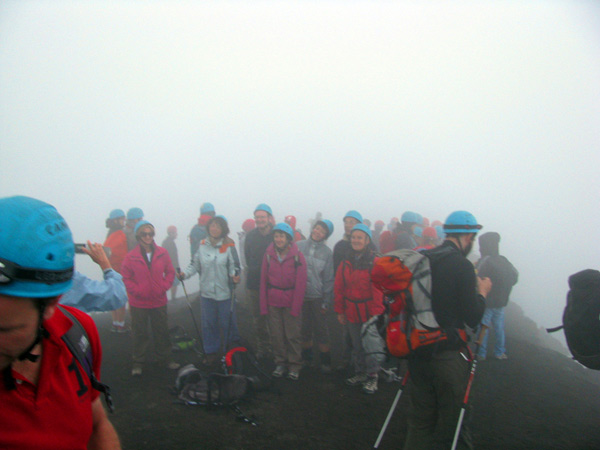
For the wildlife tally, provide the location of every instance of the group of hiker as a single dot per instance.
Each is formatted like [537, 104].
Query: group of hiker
[291, 283]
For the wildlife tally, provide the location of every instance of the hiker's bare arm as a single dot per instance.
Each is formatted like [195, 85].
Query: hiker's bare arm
[104, 436]
[484, 286]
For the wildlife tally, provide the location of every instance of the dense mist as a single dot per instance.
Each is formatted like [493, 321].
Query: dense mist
[381, 107]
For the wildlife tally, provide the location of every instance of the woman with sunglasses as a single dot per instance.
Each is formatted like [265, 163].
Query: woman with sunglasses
[148, 274]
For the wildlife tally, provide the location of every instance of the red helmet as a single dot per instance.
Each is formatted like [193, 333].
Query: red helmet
[429, 233]
[291, 221]
[437, 223]
[249, 224]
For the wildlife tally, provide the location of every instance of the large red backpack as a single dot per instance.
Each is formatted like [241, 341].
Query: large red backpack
[404, 277]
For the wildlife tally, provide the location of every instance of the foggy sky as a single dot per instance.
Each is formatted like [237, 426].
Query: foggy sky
[492, 107]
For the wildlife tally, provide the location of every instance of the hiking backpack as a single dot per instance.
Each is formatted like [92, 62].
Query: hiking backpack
[404, 277]
[241, 361]
[194, 387]
[581, 318]
[78, 343]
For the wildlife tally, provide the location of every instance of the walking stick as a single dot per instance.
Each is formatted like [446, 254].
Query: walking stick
[193, 316]
[469, 383]
[391, 412]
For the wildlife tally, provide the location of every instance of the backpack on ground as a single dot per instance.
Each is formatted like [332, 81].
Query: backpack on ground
[194, 387]
[241, 361]
[404, 277]
[78, 343]
[180, 339]
[581, 318]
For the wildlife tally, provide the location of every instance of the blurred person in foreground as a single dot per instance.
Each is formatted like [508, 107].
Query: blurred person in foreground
[47, 399]
[90, 295]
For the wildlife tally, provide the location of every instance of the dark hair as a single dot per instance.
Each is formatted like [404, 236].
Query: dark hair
[222, 223]
[42, 303]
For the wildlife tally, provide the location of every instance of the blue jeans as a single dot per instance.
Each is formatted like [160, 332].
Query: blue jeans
[493, 318]
[215, 319]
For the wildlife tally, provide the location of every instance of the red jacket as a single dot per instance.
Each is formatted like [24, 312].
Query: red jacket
[283, 284]
[147, 286]
[117, 242]
[354, 293]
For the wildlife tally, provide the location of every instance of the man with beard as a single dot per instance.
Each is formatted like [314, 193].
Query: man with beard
[439, 372]
[47, 397]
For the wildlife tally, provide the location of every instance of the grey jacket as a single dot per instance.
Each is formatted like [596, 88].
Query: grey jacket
[215, 264]
[319, 262]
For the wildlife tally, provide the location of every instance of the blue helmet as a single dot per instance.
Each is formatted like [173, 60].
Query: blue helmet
[285, 228]
[461, 222]
[355, 215]
[135, 213]
[140, 224]
[222, 217]
[264, 207]
[363, 228]
[36, 249]
[440, 231]
[206, 208]
[410, 217]
[329, 226]
[116, 213]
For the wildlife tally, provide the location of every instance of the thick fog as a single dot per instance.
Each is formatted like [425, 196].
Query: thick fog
[382, 107]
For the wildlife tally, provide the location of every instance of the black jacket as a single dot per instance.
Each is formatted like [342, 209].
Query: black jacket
[456, 302]
[254, 249]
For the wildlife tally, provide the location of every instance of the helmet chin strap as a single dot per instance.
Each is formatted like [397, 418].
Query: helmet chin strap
[40, 333]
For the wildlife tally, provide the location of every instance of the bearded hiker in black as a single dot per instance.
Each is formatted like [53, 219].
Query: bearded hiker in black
[439, 374]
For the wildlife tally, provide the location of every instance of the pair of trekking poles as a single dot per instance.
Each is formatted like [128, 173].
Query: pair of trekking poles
[464, 403]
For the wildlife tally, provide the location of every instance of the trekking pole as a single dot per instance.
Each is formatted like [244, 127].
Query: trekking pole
[469, 383]
[391, 412]
[193, 315]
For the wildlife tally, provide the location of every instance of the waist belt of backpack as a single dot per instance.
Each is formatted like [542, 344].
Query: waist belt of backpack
[358, 302]
[74, 339]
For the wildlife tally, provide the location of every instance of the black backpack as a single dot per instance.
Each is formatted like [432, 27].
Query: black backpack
[78, 344]
[581, 318]
[194, 387]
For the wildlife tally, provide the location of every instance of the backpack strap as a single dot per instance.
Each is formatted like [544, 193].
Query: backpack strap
[76, 339]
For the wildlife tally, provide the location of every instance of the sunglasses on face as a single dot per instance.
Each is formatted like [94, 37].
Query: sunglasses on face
[146, 234]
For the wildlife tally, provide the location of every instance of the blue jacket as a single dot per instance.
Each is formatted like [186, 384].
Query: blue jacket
[92, 295]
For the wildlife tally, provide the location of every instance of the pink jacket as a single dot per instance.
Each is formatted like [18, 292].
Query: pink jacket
[283, 284]
[147, 286]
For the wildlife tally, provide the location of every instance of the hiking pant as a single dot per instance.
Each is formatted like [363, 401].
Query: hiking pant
[493, 318]
[216, 319]
[362, 362]
[262, 344]
[436, 392]
[285, 338]
[157, 319]
[314, 323]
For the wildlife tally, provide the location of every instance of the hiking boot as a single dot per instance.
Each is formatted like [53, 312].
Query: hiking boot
[173, 365]
[370, 385]
[501, 357]
[356, 379]
[136, 371]
[278, 372]
[293, 375]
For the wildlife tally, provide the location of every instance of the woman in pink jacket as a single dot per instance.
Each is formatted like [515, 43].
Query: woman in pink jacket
[148, 274]
[282, 287]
